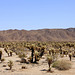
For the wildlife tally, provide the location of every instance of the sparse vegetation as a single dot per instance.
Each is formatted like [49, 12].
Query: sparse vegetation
[35, 52]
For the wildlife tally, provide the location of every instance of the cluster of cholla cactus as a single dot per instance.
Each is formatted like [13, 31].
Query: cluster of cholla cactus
[65, 52]
[52, 51]
[9, 52]
[34, 53]
[38, 50]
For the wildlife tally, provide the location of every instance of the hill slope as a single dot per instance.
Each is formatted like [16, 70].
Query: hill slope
[38, 35]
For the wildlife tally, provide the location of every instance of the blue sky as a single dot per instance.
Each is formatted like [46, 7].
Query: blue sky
[36, 14]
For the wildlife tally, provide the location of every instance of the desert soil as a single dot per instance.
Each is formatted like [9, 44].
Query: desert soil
[32, 69]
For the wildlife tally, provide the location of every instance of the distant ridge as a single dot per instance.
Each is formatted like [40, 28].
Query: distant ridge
[38, 35]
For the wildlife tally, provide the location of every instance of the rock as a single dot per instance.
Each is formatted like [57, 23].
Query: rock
[4, 65]
[23, 67]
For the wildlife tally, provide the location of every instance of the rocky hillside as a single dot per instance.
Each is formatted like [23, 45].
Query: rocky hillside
[38, 35]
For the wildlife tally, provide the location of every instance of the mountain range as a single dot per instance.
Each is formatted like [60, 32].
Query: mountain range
[38, 35]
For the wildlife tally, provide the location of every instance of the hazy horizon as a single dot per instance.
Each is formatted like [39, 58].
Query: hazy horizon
[35, 29]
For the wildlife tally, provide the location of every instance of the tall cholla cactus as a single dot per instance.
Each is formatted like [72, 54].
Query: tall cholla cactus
[50, 51]
[70, 56]
[49, 59]
[42, 51]
[60, 50]
[53, 51]
[32, 54]
[65, 52]
[36, 56]
[6, 50]
[10, 64]
[10, 53]
[0, 54]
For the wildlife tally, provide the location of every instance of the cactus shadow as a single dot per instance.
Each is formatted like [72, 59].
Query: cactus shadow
[43, 70]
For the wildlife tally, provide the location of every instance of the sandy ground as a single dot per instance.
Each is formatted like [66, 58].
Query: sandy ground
[32, 69]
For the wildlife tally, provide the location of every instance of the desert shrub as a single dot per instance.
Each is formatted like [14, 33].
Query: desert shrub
[62, 55]
[62, 65]
[29, 59]
[22, 55]
[54, 57]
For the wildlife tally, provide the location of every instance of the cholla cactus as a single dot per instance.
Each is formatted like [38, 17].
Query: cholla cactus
[49, 59]
[36, 56]
[32, 54]
[74, 54]
[66, 53]
[0, 54]
[61, 52]
[50, 51]
[6, 50]
[10, 53]
[70, 56]
[10, 64]
[42, 51]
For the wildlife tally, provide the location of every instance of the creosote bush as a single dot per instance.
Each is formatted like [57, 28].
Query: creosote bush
[22, 55]
[62, 65]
